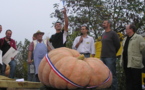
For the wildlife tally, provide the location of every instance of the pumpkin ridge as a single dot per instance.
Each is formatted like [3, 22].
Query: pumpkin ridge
[91, 71]
[82, 70]
[102, 82]
[67, 77]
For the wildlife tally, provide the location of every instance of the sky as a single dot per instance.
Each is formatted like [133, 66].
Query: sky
[25, 17]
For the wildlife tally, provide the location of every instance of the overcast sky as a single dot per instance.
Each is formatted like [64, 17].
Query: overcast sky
[25, 17]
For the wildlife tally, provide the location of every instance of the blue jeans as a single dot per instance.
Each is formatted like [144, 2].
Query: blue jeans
[111, 64]
[87, 55]
[12, 64]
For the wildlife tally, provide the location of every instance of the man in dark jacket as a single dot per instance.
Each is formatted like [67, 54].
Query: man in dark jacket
[5, 44]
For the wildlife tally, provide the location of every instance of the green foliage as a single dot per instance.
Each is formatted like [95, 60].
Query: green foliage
[71, 38]
[93, 12]
[21, 68]
[126, 11]
[120, 76]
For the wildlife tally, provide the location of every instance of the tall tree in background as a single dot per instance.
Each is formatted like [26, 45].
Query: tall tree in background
[21, 68]
[126, 11]
[83, 12]
[93, 12]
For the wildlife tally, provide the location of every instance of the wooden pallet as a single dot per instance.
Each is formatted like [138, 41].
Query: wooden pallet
[12, 84]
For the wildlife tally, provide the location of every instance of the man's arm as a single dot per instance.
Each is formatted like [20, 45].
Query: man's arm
[49, 46]
[93, 48]
[65, 20]
[116, 42]
[76, 43]
[30, 50]
[29, 56]
[15, 47]
[142, 45]
[1, 41]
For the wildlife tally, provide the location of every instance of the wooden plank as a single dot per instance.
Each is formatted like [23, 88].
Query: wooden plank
[20, 89]
[11, 83]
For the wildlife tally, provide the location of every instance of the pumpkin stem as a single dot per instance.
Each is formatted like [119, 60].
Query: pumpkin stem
[81, 57]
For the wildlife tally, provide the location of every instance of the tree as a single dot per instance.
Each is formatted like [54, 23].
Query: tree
[21, 68]
[83, 12]
[126, 11]
[93, 12]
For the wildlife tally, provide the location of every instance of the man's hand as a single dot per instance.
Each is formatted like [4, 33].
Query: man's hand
[65, 20]
[81, 39]
[64, 10]
[12, 58]
[93, 55]
[30, 61]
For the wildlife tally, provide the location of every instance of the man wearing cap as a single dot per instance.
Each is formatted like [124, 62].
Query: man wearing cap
[39, 48]
[59, 38]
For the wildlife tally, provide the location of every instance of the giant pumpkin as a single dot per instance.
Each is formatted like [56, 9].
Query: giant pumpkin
[65, 68]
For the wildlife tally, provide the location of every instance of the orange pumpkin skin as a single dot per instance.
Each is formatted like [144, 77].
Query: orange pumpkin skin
[100, 73]
[87, 72]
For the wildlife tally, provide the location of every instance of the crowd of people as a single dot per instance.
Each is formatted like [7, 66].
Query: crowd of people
[131, 58]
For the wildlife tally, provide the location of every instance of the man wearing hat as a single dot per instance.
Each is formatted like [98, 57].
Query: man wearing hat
[39, 48]
[31, 75]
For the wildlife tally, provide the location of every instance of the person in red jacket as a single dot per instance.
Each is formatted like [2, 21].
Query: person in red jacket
[0, 64]
[5, 44]
[0, 28]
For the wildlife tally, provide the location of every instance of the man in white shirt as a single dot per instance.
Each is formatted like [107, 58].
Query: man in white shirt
[84, 44]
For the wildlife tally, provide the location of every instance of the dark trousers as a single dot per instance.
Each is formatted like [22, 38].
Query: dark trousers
[111, 64]
[133, 79]
[0, 69]
[37, 78]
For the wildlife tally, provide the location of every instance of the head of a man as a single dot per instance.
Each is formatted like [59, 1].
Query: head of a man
[130, 29]
[84, 29]
[106, 24]
[34, 36]
[0, 28]
[58, 26]
[8, 34]
[39, 35]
